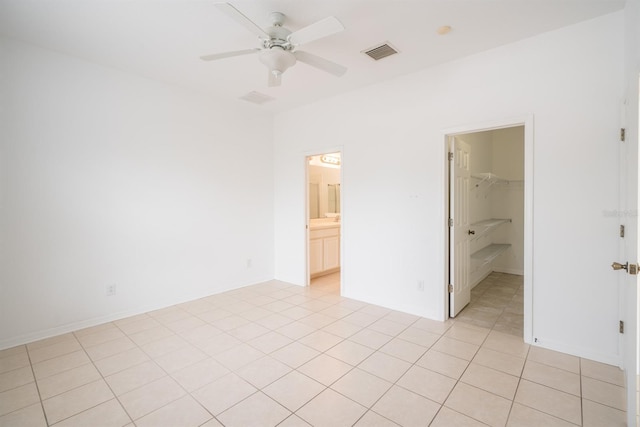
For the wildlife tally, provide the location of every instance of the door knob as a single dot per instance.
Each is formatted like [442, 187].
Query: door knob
[472, 232]
[618, 266]
[630, 268]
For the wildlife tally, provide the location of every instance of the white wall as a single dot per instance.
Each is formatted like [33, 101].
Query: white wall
[508, 201]
[481, 146]
[508, 153]
[108, 178]
[392, 140]
[480, 199]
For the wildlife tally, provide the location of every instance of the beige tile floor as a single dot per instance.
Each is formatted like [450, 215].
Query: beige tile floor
[497, 303]
[275, 354]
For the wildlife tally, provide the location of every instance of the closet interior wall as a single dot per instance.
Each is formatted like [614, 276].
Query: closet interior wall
[497, 193]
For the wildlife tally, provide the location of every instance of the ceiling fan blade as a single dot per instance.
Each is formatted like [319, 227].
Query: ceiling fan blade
[320, 63]
[275, 79]
[323, 28]
[241, 19]
[215, 56]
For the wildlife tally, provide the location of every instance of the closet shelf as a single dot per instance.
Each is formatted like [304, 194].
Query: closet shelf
[489, 179]
[488, 225]
[489, 253]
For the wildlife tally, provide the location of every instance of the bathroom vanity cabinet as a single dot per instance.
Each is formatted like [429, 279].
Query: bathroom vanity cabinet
[324, 249]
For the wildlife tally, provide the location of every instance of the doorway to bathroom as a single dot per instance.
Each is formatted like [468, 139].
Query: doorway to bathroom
[489, 228]
[324, 222]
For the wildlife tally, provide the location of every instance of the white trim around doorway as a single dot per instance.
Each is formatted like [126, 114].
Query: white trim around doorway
[528, 123]
[305, 156]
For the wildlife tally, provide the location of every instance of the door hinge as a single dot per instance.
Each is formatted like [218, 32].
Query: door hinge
[621, 230]
[632, 269]
[450, 156]
[450, 222]
[450, 288]
[621, 327]
[622, 134]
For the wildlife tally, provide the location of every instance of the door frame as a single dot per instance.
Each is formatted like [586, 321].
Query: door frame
[305, 156]
[528, 122]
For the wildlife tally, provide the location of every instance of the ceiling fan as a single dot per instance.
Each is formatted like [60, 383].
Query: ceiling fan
[278, 45]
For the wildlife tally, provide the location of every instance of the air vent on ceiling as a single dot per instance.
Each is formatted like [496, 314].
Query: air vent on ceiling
[380, 51]
[257, 97]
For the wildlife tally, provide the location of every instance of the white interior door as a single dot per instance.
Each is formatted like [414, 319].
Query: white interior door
[629, 188]
[459, 181]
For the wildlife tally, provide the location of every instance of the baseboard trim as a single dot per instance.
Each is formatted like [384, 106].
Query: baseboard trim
[509, 271]
[95, 321]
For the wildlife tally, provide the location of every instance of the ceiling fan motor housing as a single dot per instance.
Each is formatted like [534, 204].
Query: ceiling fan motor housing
[277, 37]
[277, 18]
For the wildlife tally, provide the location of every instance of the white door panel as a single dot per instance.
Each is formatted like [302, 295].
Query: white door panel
[460, 176]
[630, 301]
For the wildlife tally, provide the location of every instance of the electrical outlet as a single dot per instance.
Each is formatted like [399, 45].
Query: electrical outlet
[249, 262]
[111, 290]
[421, 285]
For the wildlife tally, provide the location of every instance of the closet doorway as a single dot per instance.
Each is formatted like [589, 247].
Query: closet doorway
[324, 222]
[487, 237]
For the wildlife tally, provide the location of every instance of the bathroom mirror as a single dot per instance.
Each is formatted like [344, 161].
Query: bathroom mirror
[333, 198]
[323, 172]
[314, 200]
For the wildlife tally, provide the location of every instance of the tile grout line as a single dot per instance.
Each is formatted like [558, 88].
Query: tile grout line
[327, 387]
[513, 401]
[259, 390]
[44, 413]
[167, 374]
[370, 408]
[581, 392]
[75, 388]
[84, 349]
[459, 380]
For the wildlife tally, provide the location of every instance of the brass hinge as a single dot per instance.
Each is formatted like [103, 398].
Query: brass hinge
[450, 222]
[622, 134]
[450, 156]
[450, 287]
[621, 327]
[632, 269]
[621, 230]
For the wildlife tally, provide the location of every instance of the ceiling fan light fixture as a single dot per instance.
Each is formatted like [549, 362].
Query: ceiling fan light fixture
[277, 60]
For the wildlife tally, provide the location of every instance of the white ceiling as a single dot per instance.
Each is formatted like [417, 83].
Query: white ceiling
[163, 39]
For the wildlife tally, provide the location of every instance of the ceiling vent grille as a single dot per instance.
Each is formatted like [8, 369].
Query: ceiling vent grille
[380, 51]
[257, 98]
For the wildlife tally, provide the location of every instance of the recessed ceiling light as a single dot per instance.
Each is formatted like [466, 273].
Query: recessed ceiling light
[445, 29]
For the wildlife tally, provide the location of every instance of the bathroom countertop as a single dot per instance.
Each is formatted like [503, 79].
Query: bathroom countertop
[321, 224]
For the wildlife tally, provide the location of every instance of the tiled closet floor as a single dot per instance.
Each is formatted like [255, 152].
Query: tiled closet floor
[497, 303]
[275, 354]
